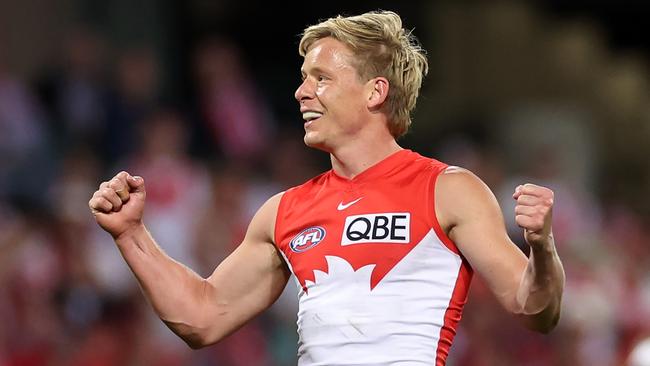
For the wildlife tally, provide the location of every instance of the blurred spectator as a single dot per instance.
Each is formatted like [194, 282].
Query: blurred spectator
[285, 163]
[235, 111]
[73, 89]
[25, 148]
[135, 94]
[222, 222]
[30, 322]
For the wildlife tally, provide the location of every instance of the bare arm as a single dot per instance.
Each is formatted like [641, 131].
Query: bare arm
[201, 311]
[529, 287]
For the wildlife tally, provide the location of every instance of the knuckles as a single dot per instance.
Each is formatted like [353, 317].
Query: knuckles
[116, 184]
[539, 190]
[103, 199]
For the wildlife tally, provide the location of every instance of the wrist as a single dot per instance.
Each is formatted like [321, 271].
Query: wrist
[546, 245]
[130, 234]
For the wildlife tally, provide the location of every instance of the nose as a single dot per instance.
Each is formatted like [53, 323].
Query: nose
[304, 91]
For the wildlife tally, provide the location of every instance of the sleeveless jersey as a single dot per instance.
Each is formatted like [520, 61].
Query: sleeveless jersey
[379, 281]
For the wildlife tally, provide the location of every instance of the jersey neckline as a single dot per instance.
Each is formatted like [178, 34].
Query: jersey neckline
[379, 169]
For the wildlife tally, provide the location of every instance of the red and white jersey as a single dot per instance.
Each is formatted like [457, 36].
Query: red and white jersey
[380, 282]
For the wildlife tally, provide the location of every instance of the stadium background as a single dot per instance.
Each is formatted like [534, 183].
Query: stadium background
[197, 97]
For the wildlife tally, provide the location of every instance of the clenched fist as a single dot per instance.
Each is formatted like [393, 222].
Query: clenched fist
[533, 213]
[118, 204]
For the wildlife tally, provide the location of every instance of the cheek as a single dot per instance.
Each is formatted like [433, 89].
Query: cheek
[333, 98]
[321, 91]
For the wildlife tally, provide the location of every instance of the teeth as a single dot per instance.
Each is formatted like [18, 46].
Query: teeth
[308, 116]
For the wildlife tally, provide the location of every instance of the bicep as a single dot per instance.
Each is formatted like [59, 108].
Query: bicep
[252, 277]
[471, 214]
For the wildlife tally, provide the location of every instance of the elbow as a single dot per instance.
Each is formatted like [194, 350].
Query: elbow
[196, 342]
[543, 322]
[196, 327]
[196, 337]
[200, 339]
[548, 326]
[541, 313]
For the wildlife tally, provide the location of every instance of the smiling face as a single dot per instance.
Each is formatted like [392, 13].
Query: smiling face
[333, 100]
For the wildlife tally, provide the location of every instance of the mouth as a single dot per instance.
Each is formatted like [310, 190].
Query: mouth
[310, 116]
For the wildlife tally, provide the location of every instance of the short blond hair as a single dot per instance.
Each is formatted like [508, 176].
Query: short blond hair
[381, 47]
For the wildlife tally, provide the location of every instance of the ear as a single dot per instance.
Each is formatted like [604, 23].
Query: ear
[378, 92]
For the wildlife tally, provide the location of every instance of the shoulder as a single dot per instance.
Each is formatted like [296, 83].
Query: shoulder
[459, 194]
[262, 226]
[457, 180]
[266, 219]
[270, 208]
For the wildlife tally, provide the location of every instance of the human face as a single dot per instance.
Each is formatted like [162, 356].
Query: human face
[333, 100]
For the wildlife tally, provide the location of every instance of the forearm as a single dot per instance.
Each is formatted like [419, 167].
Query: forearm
[540, 292]
[174, 291]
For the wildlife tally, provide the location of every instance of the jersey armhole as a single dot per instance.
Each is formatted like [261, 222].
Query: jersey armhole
[431, 210]
[279, 221]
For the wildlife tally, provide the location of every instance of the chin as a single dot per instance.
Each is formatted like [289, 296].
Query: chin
[312, 140]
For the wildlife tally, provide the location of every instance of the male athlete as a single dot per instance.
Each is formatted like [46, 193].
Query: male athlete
[383, 245]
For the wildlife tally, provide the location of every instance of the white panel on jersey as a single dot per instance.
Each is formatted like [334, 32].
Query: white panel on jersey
[342, 322]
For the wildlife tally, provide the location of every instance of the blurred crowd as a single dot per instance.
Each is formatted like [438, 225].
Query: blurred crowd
[68, 298]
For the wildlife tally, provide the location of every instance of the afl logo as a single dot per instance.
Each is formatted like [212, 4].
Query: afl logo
[307, 239]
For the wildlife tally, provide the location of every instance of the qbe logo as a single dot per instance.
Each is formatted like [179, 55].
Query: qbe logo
[392, 227]
[307, 239]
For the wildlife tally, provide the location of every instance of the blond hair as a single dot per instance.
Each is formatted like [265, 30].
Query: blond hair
[381, 47]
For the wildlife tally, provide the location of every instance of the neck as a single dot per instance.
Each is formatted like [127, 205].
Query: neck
[349, 161]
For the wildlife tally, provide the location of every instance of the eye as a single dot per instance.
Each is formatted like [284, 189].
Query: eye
[321, 78]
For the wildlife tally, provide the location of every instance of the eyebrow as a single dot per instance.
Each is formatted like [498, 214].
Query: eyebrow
[314, 70]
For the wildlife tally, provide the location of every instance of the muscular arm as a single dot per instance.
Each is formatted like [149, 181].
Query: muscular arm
[200, 311]
[529, 287]
[203, 311]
